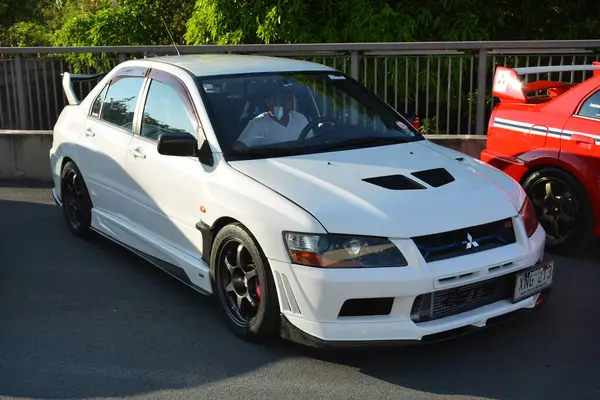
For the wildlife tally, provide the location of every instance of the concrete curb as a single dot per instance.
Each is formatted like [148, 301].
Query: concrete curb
[24, 154]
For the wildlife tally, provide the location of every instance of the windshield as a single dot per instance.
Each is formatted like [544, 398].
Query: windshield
[291, 113]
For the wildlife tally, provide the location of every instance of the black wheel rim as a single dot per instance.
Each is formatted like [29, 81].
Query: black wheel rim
[238, 282]
[556, 206]
[74, 199]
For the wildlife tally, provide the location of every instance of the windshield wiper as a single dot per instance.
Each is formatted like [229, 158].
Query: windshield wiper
[366, 141]
[269, 151]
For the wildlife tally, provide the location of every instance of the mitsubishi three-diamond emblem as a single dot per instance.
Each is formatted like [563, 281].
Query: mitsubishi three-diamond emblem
[470, 242]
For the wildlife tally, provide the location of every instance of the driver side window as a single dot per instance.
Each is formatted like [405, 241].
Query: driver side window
[164, 111]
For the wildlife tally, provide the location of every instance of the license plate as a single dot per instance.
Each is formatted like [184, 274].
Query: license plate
[533, 280]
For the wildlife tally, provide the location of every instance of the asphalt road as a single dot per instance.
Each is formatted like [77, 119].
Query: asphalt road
[91, 320]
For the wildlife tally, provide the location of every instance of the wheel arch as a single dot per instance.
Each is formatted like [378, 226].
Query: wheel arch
[61, 167]
[579, 170]
[63, 163]
[209, 232]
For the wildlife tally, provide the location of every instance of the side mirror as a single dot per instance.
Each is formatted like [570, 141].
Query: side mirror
[177, 144]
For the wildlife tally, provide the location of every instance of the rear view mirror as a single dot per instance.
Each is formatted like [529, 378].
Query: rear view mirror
[177, 144]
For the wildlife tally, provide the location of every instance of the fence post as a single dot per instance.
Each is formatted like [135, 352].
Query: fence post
[481, 89]
[355, 64]
[21, 93]
[122, 57]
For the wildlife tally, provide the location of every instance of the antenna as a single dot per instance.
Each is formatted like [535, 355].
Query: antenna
[170, 35]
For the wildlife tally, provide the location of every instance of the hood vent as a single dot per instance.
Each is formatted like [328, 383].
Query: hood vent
[395, 182]
[435, 177]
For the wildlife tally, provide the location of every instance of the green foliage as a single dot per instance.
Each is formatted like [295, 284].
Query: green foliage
[132, 22]
[198, 22]
[309, 21]
[24, 34]
[299, 21]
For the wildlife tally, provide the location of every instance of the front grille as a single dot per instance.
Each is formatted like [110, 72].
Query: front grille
[440, 246]
[447, 302]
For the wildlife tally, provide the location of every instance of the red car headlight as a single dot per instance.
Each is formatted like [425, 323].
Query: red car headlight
[529, 216]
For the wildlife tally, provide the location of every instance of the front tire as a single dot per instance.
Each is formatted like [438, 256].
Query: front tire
[77, 205]
[244, 285]
[563, 208]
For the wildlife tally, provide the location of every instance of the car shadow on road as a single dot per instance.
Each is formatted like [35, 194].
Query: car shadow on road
[90, 319]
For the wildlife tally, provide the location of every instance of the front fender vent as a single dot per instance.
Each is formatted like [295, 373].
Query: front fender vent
[395, 182]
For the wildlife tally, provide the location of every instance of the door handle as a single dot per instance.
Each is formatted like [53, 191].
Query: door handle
[582, 139]
[89, 133]
[137, 153]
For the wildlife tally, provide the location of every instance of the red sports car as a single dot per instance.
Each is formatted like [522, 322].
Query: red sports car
[546, 135]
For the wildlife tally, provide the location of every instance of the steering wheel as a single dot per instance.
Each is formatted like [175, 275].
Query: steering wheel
[314, 124]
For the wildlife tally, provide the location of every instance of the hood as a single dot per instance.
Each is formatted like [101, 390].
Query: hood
[401, 190]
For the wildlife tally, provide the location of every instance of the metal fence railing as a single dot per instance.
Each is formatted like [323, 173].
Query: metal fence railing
[447, 84]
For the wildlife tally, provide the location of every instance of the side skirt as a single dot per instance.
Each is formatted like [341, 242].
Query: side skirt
[173, 270]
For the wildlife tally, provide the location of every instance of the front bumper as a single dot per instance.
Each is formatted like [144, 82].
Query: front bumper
[311, 298]
[292, 333]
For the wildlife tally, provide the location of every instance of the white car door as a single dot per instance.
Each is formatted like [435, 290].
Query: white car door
[104, 146]
[168, 193]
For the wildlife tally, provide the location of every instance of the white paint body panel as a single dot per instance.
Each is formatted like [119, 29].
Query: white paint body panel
[152, 204]
[320, 293]
[330, 186]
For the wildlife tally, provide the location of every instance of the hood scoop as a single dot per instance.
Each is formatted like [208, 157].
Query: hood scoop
[395, 182]
[435, 177]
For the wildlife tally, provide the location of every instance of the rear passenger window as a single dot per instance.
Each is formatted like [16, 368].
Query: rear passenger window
[97, 106]
[591, 107]
[120, 101]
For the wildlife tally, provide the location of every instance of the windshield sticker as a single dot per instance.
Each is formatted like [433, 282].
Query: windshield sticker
[402, 125]
[337, 77]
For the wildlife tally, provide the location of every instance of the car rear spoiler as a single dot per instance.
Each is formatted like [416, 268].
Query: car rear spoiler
[508, 88]
[67, 83]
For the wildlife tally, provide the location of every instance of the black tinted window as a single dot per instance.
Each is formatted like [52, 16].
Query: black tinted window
[120, 101]
[591, 107]
[97, 106]
[165, 112]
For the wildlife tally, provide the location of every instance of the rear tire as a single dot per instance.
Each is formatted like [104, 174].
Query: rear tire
[563, 208]
[76, 202]
[244, 284]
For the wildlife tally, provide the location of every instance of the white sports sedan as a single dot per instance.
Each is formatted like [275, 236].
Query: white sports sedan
[305, 203]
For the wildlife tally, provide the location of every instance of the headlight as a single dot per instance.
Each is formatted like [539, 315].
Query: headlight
[529, 217]
[342, 251]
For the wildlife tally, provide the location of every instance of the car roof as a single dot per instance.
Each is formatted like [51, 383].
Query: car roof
[226, 64]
